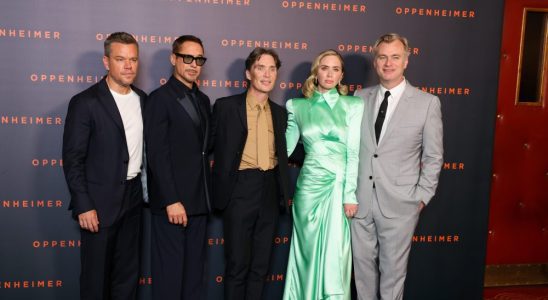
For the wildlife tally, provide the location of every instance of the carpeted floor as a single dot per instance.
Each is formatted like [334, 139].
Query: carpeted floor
[538, 292]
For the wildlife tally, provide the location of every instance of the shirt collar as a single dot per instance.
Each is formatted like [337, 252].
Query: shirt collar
[182, 87]
[330, 96]
[252, 103]
[395, 92]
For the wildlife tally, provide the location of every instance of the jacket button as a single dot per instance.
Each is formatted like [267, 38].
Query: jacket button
[375, 155]
[370, 177]
[125, 162]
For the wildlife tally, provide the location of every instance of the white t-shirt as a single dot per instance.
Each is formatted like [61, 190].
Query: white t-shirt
[129, 106]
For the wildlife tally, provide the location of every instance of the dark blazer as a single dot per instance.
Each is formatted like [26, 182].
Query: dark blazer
[95, 155]
[228, 137]
[178, 167]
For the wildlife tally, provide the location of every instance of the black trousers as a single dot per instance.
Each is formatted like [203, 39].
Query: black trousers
[178, 258]
[249, 222]
[110, 257]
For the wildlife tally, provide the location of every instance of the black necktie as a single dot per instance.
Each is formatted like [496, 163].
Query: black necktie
[194, 99]
[381, 115]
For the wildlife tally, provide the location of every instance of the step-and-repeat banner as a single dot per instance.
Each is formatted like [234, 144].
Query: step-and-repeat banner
[51, 50]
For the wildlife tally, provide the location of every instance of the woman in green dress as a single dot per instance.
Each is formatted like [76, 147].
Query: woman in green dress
[328, 123]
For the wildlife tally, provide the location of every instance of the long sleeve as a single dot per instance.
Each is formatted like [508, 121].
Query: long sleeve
[432, 152]
[355, 114]
[75, 151]
[292, 133]
[158, 151]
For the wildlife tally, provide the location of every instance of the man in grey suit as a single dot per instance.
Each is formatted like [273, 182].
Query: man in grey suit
[401, 155]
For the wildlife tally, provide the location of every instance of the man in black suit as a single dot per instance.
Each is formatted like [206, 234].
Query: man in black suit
[177, 128]
[250, 175]
[102, 155]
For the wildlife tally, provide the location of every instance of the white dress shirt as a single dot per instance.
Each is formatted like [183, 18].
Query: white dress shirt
[393, 100]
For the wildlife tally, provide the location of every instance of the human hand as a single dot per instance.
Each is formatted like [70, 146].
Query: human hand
[176, 214]
[350, 210]
[89, 221]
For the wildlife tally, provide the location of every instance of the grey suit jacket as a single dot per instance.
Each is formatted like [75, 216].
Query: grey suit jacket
[405, 166]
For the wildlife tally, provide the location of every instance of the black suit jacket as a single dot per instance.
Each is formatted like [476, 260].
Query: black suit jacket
[95, 154]
[178, 167]
[228, 137]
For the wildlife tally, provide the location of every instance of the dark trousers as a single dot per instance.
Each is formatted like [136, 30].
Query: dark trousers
[178, 257]
[249, 223]
[110, 257]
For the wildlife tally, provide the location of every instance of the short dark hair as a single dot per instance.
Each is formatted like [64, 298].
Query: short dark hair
[185, 38]
[256, 54]
[119, 37]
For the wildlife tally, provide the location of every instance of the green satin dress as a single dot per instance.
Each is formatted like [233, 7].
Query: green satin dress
[320, 257]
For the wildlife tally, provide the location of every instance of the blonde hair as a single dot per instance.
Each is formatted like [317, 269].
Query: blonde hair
[310, 85]
[389, 38]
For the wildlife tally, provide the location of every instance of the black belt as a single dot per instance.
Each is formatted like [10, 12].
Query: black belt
[258, 171]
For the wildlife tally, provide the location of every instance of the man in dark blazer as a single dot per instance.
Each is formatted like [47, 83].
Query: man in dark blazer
[177, 129]
[250, 175]
[102, 155]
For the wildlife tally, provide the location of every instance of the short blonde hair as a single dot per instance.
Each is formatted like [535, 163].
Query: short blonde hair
[310, 85]
[389, 38]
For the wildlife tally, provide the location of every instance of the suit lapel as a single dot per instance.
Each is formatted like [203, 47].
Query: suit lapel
[144, 164]
[180, 96]
[142, 97]
[242, 111]
[371, 110]
[184, 101]
[275, 125]
[205, 113]
[107, 100]
[191, 111]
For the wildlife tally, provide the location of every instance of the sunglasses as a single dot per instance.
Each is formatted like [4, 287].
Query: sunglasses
[188, 59]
